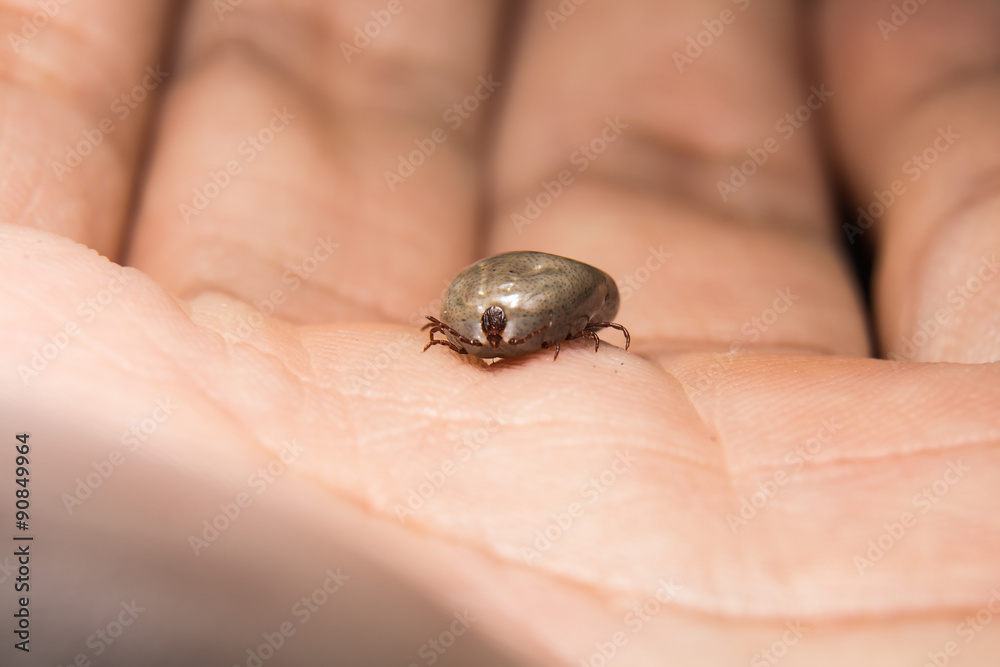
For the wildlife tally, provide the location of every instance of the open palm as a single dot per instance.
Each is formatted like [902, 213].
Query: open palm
[238, 451]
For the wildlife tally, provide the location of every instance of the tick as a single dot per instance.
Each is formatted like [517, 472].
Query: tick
[519, 302]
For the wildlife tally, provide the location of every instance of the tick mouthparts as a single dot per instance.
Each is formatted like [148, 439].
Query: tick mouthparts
[493, 322]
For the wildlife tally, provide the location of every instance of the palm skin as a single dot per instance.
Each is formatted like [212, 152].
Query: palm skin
[743, 486]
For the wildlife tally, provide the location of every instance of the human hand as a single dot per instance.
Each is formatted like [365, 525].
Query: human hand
[738, 462]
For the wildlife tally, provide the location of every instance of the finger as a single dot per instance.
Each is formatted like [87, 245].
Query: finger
[307, 162]
[916, 127]
[638, 164]
[78, 85]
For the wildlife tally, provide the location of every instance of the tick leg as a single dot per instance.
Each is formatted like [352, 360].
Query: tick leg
[437, 326]
[590, 331]
[445, 342]
[586, 333]
[614, 325]
[518, 341]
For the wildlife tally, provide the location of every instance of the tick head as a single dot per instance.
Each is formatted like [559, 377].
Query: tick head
[494, 322]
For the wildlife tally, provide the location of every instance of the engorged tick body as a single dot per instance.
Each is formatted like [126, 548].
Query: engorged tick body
[519, 302]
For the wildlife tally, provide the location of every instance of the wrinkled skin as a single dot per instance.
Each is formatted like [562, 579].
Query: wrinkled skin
[796, 495]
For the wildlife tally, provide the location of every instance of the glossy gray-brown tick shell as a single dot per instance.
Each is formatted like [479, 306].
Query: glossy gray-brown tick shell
[519, 302]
